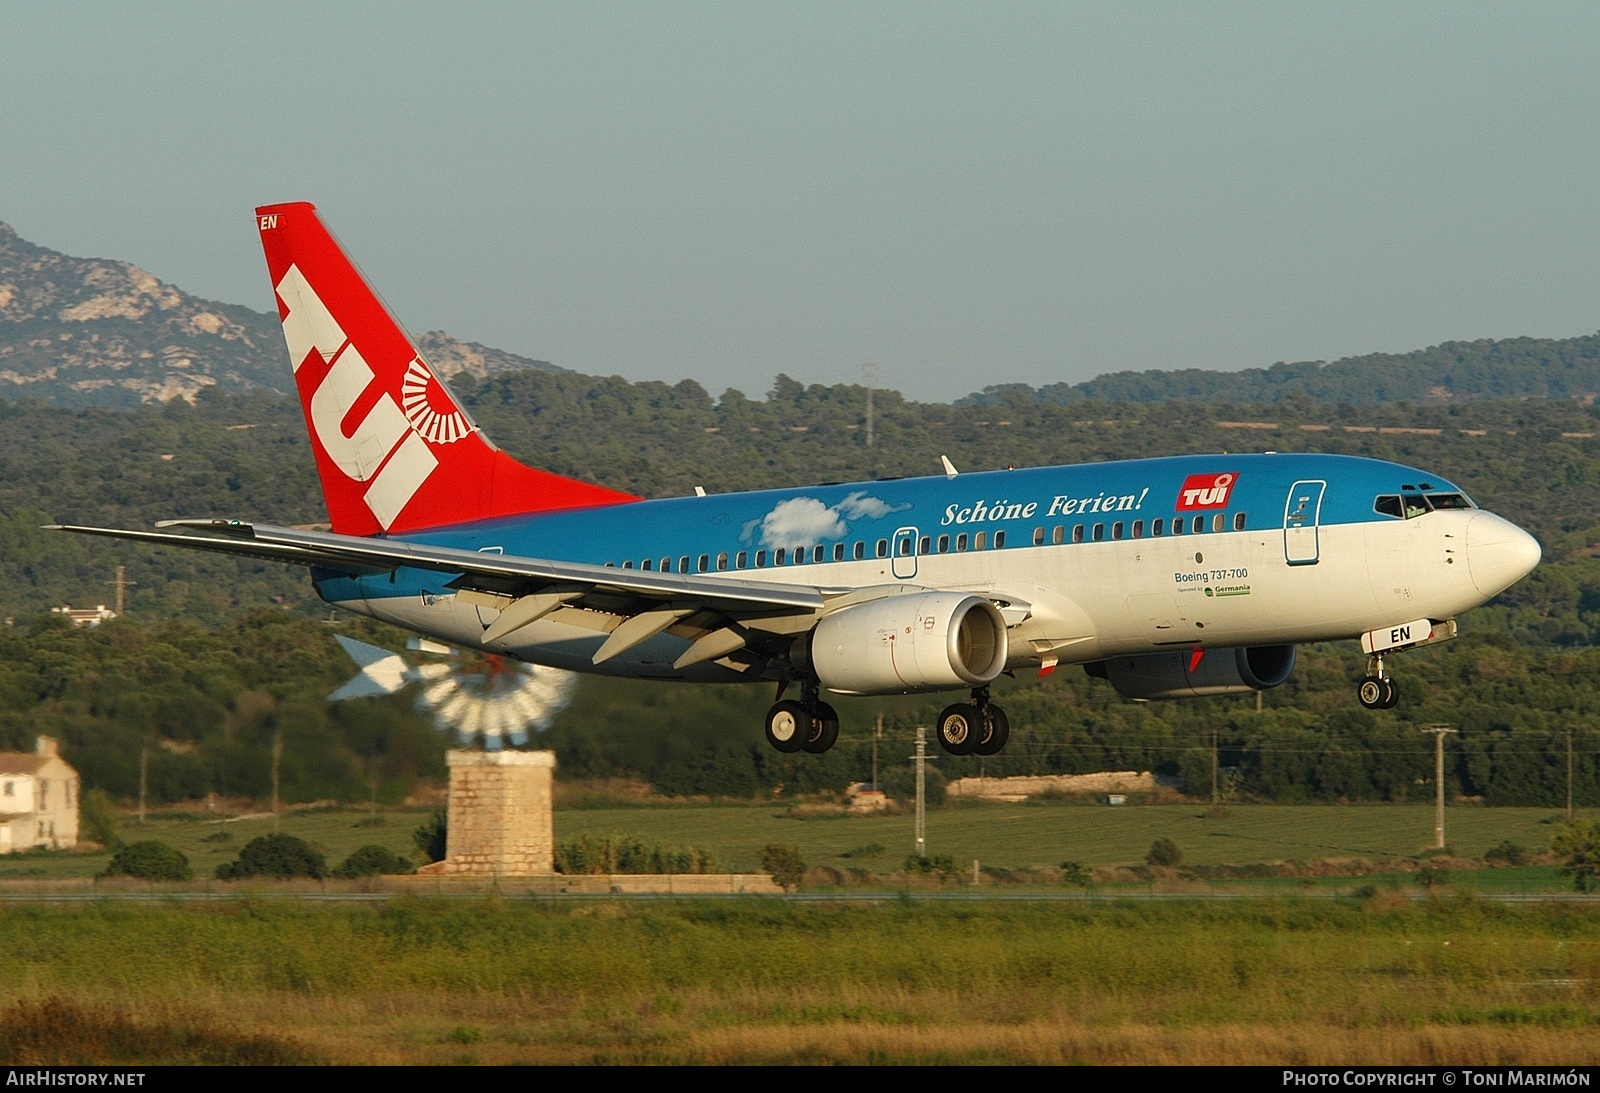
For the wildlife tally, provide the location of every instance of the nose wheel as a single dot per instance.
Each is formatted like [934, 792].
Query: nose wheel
[1377, 691]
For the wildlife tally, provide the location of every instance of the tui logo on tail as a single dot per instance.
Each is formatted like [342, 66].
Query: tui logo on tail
[394, 449]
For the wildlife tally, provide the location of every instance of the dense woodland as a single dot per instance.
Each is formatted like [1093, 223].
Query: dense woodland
[216, 656]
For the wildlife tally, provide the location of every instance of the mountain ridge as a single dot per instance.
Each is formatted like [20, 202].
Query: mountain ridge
[103, 332]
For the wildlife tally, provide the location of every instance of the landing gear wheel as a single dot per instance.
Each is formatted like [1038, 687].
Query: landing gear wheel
[1373, 692]
[824, 729]
[1391, 694]
[996, 731]
[958, 728]
[788, 726]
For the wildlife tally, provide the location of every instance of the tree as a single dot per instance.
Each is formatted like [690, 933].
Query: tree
[97, 817]
[280, 856]
[149, 860]
[432, 837]
[1578, 844]
[785, 864]
[1164, 852]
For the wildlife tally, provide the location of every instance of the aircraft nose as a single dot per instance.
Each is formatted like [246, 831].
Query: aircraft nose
[1499, 554]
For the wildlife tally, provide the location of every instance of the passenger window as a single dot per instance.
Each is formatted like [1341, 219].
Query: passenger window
[1177, 525]
[799, 555]
[838, 552]
[883, 547]
[666, 565]
[611, 565]
[683, 564]
[1038, 536]
[925, 547]
[818, 553]
[648, 564]
[705, 562]
[961, 543]
[761, 559]
[1116, 530]
[980, 540]
[861, 549]
[1138, 529]
[741, 560]
[1077, 533]
[1058, 534]
[779, 556]
[628, 564]
[1218, 522]
[999, 539]
[1199, 524]
[1099, 532]
[1155, 526]
[944, 544]
[905, 547]
[1238, 521]
[722, 562]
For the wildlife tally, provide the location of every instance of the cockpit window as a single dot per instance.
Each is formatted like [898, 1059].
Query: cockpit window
[1448, 501]
[1388, 505]
[1415, 505]
[1412, 505]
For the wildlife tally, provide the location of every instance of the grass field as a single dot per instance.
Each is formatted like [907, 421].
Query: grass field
[1008, 836]
[416, 981]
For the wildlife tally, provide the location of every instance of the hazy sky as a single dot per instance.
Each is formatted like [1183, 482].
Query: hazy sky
[964, 194]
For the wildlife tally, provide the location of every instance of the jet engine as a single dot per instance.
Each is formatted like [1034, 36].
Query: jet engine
[931, 641]
[1220, 672]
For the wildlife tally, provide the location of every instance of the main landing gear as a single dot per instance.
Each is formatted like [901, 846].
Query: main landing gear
[978, 727]
[809, 725]
[1377, 691]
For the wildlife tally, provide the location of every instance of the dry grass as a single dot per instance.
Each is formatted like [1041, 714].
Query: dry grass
[768, 981]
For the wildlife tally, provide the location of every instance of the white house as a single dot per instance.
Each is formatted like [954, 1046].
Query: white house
[38, 799]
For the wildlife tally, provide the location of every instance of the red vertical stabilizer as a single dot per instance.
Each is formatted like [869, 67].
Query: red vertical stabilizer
[394, 449]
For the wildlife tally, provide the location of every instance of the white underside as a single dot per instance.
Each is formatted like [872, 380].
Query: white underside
[1088, 600]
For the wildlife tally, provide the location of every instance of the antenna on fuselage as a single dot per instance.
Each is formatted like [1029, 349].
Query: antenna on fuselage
[949, 467]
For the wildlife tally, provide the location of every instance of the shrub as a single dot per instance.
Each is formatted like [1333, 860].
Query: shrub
[1578, 845]
[942, 864]
[373, 860]
[1433, 876]
[1074, 873]
[97, 817]
[280, 856]
[784, 863]
[149, 860]
[629, 854]
[1164, 852]
[1507, 853]
[432, 837]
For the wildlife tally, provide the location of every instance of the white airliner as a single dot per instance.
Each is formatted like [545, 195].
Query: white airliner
[1170, 578]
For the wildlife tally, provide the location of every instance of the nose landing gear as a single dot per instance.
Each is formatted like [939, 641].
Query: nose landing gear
[978, 727]
[1377, 691]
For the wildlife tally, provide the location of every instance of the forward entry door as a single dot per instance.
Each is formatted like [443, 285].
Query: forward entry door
[903, 554]
[1301, 514]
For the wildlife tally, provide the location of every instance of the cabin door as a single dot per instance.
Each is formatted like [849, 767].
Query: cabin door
[903, 554]
[1301, 514]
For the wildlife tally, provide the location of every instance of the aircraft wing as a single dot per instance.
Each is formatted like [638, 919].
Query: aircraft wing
[496, 574]
[721, 617]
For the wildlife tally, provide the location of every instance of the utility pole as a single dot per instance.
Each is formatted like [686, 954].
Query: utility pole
[121, 584]
[1216, 797]
[877, 735]
[869, 373]
[277, 756]
[1569, 772]
[144, 779]
[1438, 732]
[922, 815]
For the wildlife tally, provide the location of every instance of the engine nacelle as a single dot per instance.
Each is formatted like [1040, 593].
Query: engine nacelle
[1220, 672]
[931, 641]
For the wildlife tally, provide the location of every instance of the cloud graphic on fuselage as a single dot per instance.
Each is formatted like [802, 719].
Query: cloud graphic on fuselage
[805, 521]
